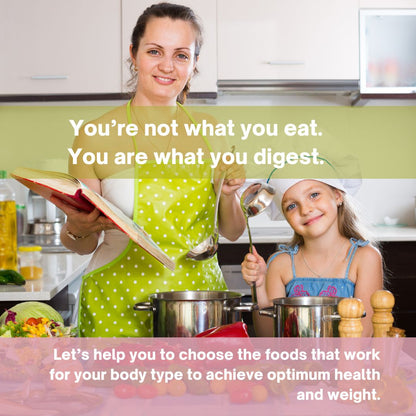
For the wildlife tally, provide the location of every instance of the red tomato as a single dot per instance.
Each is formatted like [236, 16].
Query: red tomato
[124, 390]
[33, 321]
[147, 391]
[240, 396]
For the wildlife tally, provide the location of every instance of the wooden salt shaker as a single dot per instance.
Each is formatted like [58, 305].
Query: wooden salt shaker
[351, 310]
[382, 302]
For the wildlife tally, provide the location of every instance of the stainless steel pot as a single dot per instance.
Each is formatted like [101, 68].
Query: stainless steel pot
[185, 314]
[45, 228]
[306, 316]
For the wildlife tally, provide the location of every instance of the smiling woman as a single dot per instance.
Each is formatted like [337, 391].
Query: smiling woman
[164, 64]
[164, 50]
[173, 202]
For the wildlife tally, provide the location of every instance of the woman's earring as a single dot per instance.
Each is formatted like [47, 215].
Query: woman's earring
[339, 204]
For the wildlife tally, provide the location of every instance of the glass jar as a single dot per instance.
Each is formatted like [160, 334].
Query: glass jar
[20, 221]
[415, 209]
[30, 265]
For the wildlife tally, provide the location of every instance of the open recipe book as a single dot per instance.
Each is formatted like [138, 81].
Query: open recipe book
[74, 192]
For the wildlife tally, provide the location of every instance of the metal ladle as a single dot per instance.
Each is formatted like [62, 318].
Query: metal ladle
[254, 200]
[209, 247]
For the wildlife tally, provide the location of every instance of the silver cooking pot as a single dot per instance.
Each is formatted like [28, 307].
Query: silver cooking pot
[185, 314]
[306, 316]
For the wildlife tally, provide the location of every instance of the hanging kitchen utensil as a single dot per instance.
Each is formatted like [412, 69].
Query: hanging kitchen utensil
[254, 200]
[209, 246]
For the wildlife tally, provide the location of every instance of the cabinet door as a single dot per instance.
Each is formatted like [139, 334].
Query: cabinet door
[391, 4]
[281, 39]
[60, 47]
[206, 80]
[388, 51]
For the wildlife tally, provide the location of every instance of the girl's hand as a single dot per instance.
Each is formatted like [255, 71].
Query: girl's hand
[254, 268]
[83, 223]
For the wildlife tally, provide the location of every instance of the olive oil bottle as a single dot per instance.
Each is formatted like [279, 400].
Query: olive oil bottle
[8, 231]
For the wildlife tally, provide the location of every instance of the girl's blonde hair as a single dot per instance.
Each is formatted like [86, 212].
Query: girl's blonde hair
[349, 224]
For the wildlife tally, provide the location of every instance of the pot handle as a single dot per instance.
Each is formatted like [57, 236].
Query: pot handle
[244, 307]
[337, 317]
[268, 312]
[144, 306]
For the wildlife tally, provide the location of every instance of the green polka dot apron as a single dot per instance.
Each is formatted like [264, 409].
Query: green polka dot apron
[175, 206]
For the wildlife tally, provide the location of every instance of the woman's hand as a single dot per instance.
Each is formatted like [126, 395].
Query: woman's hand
[82, 223]
[231, 218]
[234, 178]
[254, 268]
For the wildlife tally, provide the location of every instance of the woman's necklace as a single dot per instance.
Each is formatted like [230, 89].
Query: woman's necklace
[322, 274]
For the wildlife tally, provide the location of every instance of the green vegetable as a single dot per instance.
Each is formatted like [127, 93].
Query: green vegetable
[6, 334]
[11, 330]
[11, 277]
[4, 280]
[26, 310]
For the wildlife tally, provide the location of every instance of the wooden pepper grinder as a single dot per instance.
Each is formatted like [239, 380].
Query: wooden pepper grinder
[351, 310]
[382, 302]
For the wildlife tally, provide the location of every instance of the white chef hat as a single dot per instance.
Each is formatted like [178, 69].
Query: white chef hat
[348, 185]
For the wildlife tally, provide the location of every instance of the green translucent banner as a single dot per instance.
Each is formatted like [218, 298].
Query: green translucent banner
[366, 142]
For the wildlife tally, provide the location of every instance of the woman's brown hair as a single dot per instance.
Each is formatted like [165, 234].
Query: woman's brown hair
[174, 12]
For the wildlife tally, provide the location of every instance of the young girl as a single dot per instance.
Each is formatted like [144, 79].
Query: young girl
[328, 255]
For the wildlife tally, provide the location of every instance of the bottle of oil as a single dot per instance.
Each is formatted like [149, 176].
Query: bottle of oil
[8, 232]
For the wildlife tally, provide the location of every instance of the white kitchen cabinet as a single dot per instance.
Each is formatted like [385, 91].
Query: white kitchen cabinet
[60, 47]
[288, 40]
[206, 80]
[387, 4]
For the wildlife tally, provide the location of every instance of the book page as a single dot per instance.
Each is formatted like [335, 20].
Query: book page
[127, 225]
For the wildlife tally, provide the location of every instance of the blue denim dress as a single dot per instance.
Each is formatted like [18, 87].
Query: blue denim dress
[320, 286]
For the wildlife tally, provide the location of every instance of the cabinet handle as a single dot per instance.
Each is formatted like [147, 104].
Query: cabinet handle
[46, 77]
[285, 62]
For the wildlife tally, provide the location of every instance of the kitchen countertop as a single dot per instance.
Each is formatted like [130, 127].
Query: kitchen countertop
[59, 270]
[394, 233]
[282, 234]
